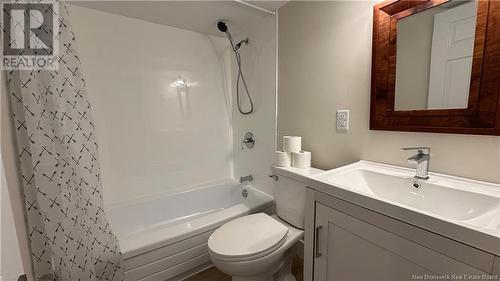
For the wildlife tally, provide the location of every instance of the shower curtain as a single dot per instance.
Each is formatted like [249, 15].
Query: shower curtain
[70, 236]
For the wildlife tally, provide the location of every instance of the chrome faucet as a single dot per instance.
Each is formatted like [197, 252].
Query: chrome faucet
[248, 141]
[421, 159]
[245, 179]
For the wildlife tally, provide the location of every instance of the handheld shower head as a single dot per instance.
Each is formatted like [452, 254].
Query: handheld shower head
[222, 26]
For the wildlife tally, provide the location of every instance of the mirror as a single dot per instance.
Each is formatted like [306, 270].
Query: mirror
[434, 54]
[436, 66]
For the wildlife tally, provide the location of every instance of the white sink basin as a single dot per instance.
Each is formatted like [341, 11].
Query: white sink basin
[454, 201]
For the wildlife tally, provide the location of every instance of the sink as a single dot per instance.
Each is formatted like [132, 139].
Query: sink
[452, 206]
[426, 195]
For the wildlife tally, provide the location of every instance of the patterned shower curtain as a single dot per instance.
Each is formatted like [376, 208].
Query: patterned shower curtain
[71, 238]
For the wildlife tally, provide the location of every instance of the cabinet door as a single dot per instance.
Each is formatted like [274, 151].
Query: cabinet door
[347, 248]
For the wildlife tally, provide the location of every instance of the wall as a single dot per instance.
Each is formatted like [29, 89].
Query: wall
[11, 188]
[153, 138]
[329, 69]
[259, 68]
[11, 266]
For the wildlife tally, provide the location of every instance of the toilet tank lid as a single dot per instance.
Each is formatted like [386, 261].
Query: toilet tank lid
[247, 236]
[297, 174]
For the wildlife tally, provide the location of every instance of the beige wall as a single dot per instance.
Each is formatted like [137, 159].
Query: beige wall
[324, 65]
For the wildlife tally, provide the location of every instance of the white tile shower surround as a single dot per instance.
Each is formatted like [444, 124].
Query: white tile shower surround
[152, 137]
[259, 67]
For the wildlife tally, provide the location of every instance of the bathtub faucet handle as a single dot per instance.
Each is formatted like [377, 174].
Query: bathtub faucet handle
[248, 141]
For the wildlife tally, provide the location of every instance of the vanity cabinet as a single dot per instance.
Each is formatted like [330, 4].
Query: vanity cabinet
[349, 242]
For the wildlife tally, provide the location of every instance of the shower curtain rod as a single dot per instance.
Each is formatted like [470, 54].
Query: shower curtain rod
[256, 7]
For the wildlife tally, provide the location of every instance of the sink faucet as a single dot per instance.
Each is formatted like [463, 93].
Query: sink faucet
[421, 159]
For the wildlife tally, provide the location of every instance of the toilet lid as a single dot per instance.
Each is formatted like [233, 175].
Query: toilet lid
[247, 236]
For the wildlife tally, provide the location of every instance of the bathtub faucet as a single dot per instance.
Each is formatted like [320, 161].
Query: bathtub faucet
[245, 179]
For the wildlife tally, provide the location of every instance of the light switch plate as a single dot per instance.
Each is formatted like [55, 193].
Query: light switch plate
[343, 120]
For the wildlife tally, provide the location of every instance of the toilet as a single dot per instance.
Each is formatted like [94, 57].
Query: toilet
[259, 247]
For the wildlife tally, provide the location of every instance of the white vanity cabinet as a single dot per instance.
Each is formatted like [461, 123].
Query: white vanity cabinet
[349, 242]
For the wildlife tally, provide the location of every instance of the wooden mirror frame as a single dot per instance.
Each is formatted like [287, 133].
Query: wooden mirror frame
[482, 116]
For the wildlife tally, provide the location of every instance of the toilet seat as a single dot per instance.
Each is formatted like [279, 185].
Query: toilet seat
[247, 238]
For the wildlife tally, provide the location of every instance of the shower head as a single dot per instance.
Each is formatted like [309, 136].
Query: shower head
[222, 26]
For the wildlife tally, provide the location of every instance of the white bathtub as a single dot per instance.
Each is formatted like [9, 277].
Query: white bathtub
[165, 237]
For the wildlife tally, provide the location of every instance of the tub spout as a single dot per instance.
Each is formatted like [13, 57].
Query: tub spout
[246, 179]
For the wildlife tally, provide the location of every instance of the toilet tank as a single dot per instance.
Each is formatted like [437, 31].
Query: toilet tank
[290, 199]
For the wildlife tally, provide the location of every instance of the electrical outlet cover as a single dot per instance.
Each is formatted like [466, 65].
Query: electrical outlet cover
[343, 120]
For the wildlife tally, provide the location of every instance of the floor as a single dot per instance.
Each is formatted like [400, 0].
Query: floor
[212, 274]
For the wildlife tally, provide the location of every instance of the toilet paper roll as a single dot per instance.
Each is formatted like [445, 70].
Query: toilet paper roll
[301, 159]
[282, 159]
[292, 144]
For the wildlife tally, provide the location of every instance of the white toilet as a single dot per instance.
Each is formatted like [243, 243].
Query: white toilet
[259, 247]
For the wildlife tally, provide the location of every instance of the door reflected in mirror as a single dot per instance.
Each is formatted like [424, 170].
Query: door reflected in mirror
[434, 57]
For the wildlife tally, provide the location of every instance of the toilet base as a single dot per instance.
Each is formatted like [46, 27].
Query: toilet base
[283, 272]
[288, 277]
[253, 278]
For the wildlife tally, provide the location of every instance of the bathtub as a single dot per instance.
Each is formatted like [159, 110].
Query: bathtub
[165, 237]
